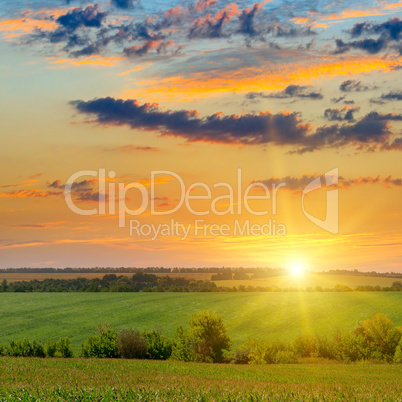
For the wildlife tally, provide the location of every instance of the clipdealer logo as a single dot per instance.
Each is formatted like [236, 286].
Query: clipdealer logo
[237, 200]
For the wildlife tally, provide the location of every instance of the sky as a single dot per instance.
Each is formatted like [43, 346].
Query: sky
[271, 130]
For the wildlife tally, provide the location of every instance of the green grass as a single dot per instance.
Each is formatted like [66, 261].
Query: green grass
[29, 379]
[48, 316]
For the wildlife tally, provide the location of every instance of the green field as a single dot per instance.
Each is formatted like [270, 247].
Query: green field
[100, 379]
[270, 316]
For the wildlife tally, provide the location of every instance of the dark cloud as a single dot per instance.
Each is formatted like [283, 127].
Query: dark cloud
[389, 32]
[344, 114]
[392, 96]
[248, 129]
[247, 21]
[124, 4]
[292, 91]
[90, 17]
[371, 46]
[353, 86]
[299, 183]
[142, 50]
[337, 100]
[79, 186]
[391, 29]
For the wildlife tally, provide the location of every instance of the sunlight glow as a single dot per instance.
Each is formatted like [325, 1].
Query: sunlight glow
[296, 269]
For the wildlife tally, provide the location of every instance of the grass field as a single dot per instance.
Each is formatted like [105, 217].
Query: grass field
[48, 316]
[284, 281]
[29, 379]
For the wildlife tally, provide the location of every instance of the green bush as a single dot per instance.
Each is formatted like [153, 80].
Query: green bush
[210, 336]
[325, 348]
[380, 335]
[204, 341]
[159, 347]
[50, 349]
[183, 346]
[398, 353]
[241, 355]
[305, 346]
[25, 348]
[101, 345]
[131, 344]
[285, 357]
[64, 348]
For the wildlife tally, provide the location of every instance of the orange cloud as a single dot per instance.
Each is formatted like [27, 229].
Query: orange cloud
[266, 77]
[44, 225]
[28, 21]
[91, 61]
[29, 194]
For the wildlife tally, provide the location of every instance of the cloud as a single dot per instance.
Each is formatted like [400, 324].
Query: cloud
[283, 128]
[89, 17]
[30, 194]
[295, 183]
[45, 225]
[372, 46]
[212, 27]
[246, 20]
[201, 5]
[389, 32]
[353, 86]
[344, 114]
[291, 91]
[135, 148]
[124, 4]
[393, 95]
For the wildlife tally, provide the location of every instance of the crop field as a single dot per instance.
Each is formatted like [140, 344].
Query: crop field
[40, 276]
[269, 316]
[29, 379]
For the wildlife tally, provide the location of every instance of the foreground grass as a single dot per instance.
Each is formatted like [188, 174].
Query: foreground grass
[269, 316]
[108, 380]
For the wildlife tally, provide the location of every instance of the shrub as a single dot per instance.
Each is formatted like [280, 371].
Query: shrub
[131, 344]
[101, 345]
[64, 348]
[210, 336]
[50, 349]
[398, 353]
[305, 346]
[380, 335]
[325, 348]
[350, 347]
[241, 355]
[25, 348]
[285, 357]
[183, 346]
[159, 347]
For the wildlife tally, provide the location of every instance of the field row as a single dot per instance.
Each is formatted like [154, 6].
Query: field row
[81, 379]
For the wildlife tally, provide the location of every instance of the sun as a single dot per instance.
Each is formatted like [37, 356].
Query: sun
[297, 269]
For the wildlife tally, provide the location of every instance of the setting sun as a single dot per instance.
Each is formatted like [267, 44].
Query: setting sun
[296, 269]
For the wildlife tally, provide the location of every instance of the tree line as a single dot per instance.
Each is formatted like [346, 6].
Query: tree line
[206, 340]
[145, 282]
